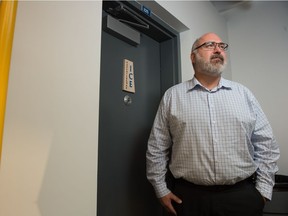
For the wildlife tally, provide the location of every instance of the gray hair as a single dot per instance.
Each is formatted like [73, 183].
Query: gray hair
[195, 44]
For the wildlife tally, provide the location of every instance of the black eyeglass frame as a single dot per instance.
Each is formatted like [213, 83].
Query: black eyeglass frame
[225, 48]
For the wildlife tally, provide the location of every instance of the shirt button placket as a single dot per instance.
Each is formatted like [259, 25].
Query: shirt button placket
[212, 113]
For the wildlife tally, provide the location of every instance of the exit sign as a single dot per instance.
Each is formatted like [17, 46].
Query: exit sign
[146, 10]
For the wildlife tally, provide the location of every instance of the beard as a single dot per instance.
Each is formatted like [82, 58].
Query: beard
[215, 66]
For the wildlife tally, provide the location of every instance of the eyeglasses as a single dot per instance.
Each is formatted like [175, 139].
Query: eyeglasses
[210, 45]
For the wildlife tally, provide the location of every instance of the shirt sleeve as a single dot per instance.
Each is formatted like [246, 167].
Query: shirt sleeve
[266, 152]
[157, 154]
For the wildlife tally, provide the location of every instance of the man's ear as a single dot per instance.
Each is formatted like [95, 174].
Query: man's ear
[192, 57]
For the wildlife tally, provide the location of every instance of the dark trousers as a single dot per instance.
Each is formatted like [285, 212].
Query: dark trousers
[241, 199]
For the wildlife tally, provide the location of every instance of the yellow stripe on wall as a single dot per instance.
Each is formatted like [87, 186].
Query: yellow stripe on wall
[7, 22]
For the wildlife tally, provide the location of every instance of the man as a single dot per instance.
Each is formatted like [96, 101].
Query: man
[213, 136]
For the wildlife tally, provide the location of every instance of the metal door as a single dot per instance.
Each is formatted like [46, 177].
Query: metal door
[123, 189]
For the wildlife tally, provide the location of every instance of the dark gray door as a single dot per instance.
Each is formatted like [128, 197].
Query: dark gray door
[123, 189]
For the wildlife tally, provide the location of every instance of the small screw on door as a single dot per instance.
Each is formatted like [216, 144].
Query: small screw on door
[127, 100]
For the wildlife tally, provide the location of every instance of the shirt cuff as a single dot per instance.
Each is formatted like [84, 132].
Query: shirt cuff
[161, 190]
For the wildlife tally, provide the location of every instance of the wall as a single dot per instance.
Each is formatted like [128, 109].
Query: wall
[49, 158]
[201, 17]
[259, 51]
[49, 163]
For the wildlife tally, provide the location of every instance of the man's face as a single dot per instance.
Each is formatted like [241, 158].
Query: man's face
[210, 61]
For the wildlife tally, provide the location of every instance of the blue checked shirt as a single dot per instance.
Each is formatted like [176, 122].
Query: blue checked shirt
[217, 137]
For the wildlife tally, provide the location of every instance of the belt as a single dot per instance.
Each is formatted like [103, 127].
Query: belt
[183, 182]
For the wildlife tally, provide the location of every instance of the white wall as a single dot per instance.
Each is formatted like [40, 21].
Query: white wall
[49, 158]
[201, 17]
[258, 37]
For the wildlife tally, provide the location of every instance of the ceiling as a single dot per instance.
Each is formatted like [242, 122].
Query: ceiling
[223, 6]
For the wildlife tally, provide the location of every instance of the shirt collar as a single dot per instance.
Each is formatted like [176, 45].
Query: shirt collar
[223, 83]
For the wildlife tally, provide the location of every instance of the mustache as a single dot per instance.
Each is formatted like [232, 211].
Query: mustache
[217, 56]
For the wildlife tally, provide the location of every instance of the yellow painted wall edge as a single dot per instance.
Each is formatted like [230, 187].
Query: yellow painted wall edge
[8, 10]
